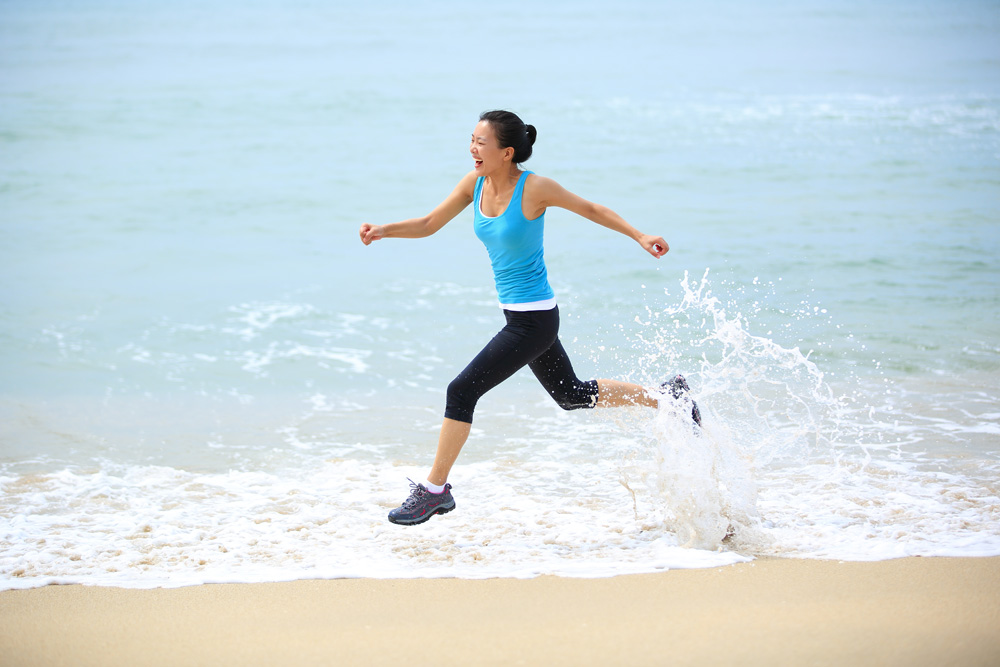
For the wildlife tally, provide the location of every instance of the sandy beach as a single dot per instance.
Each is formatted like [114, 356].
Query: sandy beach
[915, 611]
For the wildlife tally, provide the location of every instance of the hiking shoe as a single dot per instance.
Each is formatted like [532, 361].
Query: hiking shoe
[679, 387]
[422, 505]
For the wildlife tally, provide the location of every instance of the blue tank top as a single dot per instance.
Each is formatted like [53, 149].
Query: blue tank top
[514, 244]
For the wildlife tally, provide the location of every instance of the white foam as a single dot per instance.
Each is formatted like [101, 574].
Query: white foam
[259, 317]
[346, 359]
[146, 526]
[155, 526]
[884, 510]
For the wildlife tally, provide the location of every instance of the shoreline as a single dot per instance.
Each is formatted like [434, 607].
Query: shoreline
[913, 611]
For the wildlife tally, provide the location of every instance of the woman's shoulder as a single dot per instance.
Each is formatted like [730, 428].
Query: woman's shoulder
[469, 182]
[537, 190]
[536, 184]
[538, 179]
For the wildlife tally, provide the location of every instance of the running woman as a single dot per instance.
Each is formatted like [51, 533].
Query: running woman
[510, 205]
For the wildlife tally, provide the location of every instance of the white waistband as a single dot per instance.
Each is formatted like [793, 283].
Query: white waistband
[547, 304]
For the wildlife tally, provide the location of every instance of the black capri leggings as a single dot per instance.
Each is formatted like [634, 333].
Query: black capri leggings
[530, 338]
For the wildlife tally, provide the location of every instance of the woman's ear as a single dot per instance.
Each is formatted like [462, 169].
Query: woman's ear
[508, 153]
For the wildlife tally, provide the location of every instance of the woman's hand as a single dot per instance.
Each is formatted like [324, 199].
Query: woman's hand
[654, 245]
[371, 233]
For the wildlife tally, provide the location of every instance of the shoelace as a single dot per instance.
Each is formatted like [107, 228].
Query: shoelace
[417, 492]
[677, 386]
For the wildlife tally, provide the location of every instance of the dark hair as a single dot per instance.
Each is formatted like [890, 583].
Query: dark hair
[511, 133]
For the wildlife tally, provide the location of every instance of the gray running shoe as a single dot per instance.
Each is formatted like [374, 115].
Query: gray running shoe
[679, 387]
[422, 505]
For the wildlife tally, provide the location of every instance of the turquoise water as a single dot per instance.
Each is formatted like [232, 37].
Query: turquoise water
[192, 334]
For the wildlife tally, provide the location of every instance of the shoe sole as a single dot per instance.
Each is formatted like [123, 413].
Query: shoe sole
[438, 510]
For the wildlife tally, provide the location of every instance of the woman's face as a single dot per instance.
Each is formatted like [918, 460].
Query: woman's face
[486, 151]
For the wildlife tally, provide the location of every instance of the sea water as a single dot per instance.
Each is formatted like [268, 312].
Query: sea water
[205, 376]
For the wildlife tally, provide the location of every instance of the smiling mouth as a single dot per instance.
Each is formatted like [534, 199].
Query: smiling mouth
[479, 163]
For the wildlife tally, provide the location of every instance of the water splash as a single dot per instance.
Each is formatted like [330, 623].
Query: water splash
[761, 402]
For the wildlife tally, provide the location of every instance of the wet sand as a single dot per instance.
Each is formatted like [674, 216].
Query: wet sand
[914, 611]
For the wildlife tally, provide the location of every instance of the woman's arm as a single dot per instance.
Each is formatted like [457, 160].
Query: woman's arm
[416, 228]
[543, 192]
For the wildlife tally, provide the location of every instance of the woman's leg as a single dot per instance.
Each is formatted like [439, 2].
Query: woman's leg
[450, 442]
[525, 336]
[617, 394]
[555, 372]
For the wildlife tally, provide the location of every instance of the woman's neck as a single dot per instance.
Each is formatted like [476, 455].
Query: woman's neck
[505, 178]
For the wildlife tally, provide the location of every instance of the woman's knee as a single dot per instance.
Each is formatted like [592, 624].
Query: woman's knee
[460, 401]
[576, 396]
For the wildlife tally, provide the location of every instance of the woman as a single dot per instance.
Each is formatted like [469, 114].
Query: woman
[510, 206]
